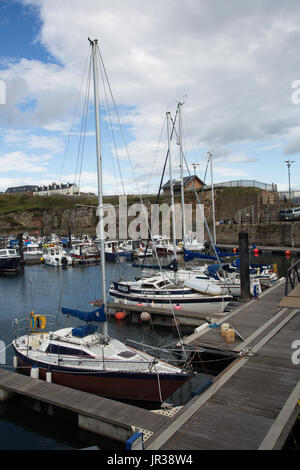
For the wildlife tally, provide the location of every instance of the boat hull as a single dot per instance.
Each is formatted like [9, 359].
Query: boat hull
[210, 305]
[10, 265]
[116, 256]
[118, 385]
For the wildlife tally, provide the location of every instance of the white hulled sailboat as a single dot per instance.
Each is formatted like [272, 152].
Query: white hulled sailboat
[84, 359]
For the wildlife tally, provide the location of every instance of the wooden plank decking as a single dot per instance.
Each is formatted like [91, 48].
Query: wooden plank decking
[99, 408]
[241, 408]
[253, 403]
[250, 405]
[246, 320]
[292, 299]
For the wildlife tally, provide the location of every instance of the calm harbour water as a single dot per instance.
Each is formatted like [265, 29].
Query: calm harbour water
[45, 289]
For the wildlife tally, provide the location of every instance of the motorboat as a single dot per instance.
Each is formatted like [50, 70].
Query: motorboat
[114, 252]
[82, 253]
[32, 251]
[137, 248]
[161, 292]
[10, 260]
[56, 256]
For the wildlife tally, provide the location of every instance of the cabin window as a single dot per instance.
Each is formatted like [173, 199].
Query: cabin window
[147, 286]
[64, 350]
[163, 284]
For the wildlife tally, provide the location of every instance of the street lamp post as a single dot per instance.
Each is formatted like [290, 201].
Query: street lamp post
[194, 165]
[288, 163]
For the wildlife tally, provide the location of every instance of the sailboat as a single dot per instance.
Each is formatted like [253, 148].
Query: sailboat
[86, 359]
[164, 290]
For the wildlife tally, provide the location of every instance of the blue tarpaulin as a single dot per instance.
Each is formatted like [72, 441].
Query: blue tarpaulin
[84, 330]
[173, 266]
[96, 315]
[190, 255]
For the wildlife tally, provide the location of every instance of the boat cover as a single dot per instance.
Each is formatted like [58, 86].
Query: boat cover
[189, 255]
[96, 315]
[83, 330]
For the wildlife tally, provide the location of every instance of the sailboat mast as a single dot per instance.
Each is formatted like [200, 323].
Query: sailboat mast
[212, 197]
[181, 174]
[94, 45]
[171, 187]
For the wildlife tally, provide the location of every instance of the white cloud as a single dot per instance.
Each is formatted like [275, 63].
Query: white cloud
[21, 162]
[234, 60]
[26, 139]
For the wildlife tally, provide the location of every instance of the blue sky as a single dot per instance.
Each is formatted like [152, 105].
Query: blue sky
[233, 67]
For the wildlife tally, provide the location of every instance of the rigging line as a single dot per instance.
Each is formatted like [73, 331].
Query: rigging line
[73, 118]
[190, 137]
[140, 197]
[205, 222]
[161, 181]
[124, 141]
[159, 142]
[110, 121]
[83, 123]
[84, 130]
[198, 201]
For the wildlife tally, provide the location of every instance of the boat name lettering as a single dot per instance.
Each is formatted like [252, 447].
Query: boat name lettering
[123, 288]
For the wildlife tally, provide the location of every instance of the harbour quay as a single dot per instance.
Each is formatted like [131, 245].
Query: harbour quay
[252, 404]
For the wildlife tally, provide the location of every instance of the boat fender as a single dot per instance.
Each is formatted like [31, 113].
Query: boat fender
[201, 389]
[35, 371]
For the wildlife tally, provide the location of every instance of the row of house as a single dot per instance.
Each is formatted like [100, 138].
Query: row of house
[66, 189]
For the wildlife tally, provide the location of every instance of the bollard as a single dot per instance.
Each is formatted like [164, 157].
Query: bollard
[244, 266]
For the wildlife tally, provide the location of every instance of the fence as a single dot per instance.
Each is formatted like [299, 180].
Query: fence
[244, 184]
[285, 196]
[292, 277]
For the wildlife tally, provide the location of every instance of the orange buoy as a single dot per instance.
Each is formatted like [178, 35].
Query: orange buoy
[234, 250]
[120, 315]
[256, 251]
[177, 307]
[139, 304]
[287, 252]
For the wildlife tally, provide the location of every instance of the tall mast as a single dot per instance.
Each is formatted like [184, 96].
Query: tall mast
[94, 45]
[181, 174]
[171, 188]
[212, 197]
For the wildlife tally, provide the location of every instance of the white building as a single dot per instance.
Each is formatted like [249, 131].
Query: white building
[66, 189]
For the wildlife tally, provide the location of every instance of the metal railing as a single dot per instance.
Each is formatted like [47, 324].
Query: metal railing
[245, 184]
[292, 276]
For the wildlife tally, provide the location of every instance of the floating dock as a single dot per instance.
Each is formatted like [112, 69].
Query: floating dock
[254, 403]
[162, 316]
[99, 415]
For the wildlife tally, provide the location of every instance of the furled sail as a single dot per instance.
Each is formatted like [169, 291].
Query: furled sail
[190, 255]
[96, 315]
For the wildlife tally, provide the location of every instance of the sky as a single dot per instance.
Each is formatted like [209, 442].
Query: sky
[234, 65]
